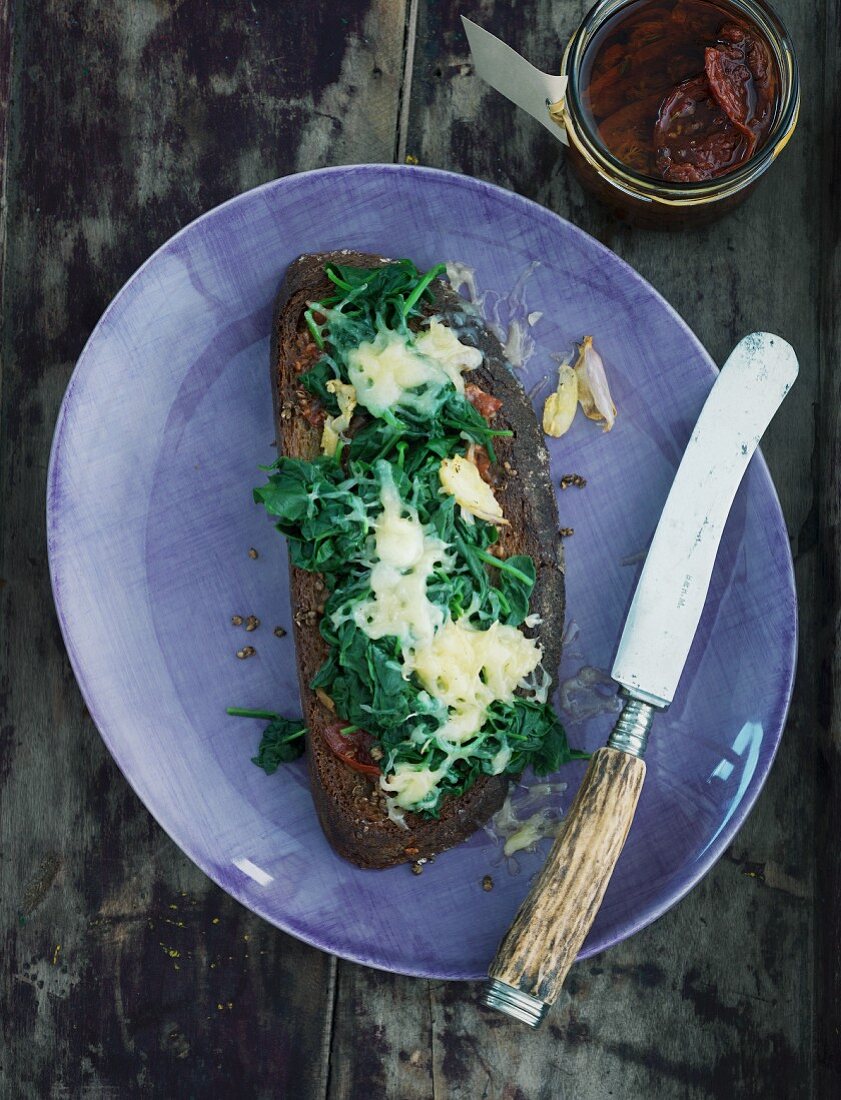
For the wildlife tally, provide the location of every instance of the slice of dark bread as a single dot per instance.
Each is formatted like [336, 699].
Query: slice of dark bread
[350, 806]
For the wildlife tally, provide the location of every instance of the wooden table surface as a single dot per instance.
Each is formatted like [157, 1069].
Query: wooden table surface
[123, 970]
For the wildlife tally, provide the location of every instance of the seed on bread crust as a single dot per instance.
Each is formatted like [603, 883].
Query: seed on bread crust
[304, 617]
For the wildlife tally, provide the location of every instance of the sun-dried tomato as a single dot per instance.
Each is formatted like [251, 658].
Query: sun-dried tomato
[738, 70]
[313, 413]
[680, 91]
[695, 139]
[352, 748]
[484, 403]
[728, 78]
[483, 464]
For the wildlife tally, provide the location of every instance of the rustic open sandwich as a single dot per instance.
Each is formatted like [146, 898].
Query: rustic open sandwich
[412, 486]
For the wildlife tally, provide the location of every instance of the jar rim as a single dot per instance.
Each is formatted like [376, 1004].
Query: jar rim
[582, 132]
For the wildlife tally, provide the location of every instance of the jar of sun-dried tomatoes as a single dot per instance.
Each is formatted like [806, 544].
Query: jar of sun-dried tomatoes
[675, 108]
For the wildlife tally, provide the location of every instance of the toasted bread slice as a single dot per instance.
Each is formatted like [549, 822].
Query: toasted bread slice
[351, 807]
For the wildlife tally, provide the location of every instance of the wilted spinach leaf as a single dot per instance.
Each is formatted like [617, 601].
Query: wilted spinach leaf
[282, 740]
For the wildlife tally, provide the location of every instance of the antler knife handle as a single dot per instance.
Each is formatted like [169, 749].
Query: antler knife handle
[536, 953]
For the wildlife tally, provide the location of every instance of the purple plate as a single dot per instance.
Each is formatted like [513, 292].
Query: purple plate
[150, 519]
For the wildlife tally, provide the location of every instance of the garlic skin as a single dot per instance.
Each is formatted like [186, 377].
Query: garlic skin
[560, 408]
[461, 478]
[593, 390]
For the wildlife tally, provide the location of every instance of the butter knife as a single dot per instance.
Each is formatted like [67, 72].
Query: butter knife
[538, 950]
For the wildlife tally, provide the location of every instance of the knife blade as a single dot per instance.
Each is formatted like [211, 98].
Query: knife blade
[541, 945]
[672, 589]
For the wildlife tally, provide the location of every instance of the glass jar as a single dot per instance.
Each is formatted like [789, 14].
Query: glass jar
[661, 204]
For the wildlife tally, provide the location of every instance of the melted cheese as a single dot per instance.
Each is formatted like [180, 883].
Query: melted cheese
[501, 760]
[440, 343]
[336, 426]
[411, 786]
[407, 555]
[528, 834]
[395, 369]
[461, 479]
[466, 670]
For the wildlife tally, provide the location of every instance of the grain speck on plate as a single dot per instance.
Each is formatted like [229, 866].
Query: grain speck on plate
[575, 480]
[236, 620]
[279, 632]
[245, 652]
[251, 623]
[252, 553]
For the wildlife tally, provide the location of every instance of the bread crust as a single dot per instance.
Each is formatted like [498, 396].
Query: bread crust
[350, 806]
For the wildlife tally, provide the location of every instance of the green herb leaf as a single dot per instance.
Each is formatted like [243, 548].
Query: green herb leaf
[282, 740]
[315, 382]
[535, 734]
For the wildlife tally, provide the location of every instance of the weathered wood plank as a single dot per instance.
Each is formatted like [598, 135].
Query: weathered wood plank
[5, 84]
[382, 1036]
[124, 970]
[828, 959]
[716, 998]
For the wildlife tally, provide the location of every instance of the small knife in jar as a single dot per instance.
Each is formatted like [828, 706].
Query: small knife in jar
[536, 953]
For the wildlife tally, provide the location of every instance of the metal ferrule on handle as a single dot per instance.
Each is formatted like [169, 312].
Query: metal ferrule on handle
[630, 734]
[514, 1002]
